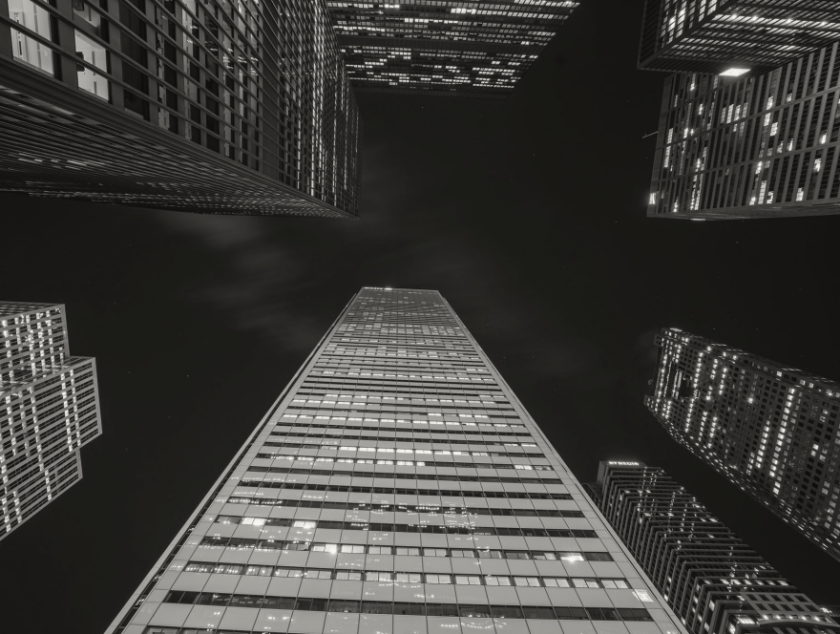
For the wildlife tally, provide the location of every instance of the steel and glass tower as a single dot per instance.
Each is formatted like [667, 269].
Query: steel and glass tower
[444, 48]
[770, 429]
[734, 36]
[396, 486]
[715, 582]
[49, 409]
[754, 147]
[217, 106]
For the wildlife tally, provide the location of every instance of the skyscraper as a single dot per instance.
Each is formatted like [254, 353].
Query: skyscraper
[396, 486]
[50, 409]
[715, 582]
[756, 147]
[447, 47]
[770, 429]
[213, 107]
[734, 36]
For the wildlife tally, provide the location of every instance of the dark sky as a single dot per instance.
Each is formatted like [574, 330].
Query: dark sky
[527, 214]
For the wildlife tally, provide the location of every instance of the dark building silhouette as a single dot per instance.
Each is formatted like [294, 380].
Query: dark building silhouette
[714, 582]
[770, 429]
[214, 107]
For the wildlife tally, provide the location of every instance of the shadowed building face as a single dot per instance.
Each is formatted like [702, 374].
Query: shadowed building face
[210, 107]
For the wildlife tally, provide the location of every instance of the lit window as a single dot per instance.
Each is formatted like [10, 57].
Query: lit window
[439, 579]
[26, 49]
[467, 580]
[325, 548]
[434, 552]
[354, 549]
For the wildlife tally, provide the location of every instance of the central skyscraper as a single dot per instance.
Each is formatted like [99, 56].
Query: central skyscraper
[396, 486]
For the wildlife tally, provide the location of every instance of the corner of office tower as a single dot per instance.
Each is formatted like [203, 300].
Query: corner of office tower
[605, 466]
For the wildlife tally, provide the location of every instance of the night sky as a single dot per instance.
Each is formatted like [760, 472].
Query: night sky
[528, 214]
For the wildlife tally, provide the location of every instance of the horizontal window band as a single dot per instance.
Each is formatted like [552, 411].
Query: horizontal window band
[410, 463]
[339, 431]
[411, 551]
[435, 423]
[399, 528]
[394, 491]
[509, 450]
[407, 577]
[414, 439]
[403, 476]
[408, 508]
[380, 408]
[416, 609]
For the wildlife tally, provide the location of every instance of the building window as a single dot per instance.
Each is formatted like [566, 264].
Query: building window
[95, 55]
[25, 48]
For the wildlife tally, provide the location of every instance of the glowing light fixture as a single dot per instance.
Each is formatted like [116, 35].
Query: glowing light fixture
[734, 72]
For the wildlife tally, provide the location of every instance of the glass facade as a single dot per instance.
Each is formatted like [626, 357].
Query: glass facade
[770, 429]
[444, 48]
[50, 409]
[396, 486]
[715, 582]
[754, 147]
[224, 106]
[715, 36]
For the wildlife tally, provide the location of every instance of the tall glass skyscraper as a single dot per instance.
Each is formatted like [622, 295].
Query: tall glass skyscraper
[444, 48]
[715, 582]
[221, 106]
[734, 36]
[49, 409]
[771, 429]
[396, 486]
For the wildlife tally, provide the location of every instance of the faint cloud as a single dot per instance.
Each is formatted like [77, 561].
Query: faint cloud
[257, 285]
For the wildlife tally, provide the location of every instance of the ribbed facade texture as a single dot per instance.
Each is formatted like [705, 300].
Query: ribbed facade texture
[715, 582]
[396, 487]
[447, 47]
[49, 409]
[755, 147]
[713, 36]
[770, 429]
[226, 107]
